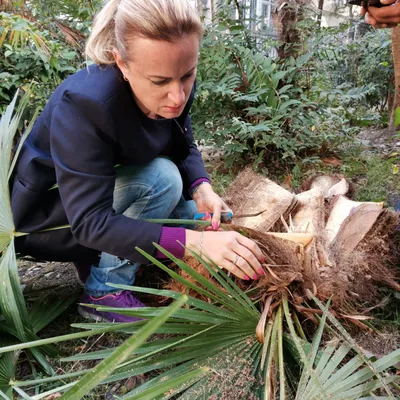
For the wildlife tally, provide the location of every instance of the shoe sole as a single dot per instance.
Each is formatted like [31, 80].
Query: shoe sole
[85, 314]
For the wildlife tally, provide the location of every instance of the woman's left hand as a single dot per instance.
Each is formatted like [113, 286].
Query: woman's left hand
[208, 201]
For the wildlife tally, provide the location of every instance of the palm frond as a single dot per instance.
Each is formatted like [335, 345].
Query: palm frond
[92, 379]
[19, 32]
[12, 303]
[46, 310]
[334, 377]
[8, 363]
[215, 351]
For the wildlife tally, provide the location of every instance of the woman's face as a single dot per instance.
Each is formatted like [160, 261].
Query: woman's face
[161, 73]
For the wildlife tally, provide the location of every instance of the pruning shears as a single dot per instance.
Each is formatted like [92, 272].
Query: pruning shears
[226, 216]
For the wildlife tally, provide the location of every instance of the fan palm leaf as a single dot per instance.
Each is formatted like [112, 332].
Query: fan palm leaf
[334, 376]
[219, 335]
[8, 363]
[19, 32]
[17, 320]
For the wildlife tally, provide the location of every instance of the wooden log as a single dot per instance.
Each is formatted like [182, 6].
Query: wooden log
[310, 215]
[259, 195]
[329, 185]
[349, 221]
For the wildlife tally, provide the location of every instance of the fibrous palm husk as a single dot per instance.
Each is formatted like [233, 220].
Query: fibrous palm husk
[345, 250]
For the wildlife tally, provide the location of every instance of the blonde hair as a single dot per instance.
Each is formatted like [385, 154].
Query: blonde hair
[120, 20]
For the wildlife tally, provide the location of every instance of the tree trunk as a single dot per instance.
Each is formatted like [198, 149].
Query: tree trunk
[352, 29]
[213, 9]
[286, 16]
[200, 8]
[6, 5]
[396, 62]
[320, 9]
[317, 240]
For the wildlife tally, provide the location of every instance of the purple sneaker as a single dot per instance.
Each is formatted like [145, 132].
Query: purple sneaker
[124, 299]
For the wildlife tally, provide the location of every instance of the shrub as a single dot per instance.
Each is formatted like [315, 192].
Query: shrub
[249, 105]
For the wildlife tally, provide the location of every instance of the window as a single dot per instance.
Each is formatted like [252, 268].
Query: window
[265, 10]
[266, 6]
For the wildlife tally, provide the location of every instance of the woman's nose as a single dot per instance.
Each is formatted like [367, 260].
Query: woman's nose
[177, 94]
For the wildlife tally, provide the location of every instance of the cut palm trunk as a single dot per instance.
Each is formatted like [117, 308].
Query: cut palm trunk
[317, 241]
[251, 194]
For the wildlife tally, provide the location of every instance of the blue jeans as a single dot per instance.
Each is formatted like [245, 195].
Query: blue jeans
[150, 191]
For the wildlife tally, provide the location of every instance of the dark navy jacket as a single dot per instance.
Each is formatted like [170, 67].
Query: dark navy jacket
[90, 124]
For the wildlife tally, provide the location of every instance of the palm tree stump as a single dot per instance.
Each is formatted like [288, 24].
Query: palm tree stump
[318, 242]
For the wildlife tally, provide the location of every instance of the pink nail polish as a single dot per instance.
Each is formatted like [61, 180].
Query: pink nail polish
[261, 271]
[215, 226]
[246, 278]
[255, 276]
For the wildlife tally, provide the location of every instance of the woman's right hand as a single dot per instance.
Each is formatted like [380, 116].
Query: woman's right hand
[229, 250]
[382, 17]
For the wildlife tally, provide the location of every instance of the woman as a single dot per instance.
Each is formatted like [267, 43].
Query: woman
[116, 138]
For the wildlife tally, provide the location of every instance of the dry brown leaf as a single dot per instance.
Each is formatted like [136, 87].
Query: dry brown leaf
[53, 396]
[332, 161]
[260, 329]
[287, 183]
[357, 317]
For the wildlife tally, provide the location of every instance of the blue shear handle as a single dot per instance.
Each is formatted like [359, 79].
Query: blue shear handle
[226, 216]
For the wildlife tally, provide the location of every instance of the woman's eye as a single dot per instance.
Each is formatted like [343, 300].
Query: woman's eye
[159, 83]
[186, 77]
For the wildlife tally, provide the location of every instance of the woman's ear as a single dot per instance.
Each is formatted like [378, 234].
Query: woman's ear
[119, 62]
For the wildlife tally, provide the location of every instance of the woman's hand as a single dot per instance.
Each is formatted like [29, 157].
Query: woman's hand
[229, 250]
[208, 201]
[382, 17]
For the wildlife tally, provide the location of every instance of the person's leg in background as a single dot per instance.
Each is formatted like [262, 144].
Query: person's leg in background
[151, 191]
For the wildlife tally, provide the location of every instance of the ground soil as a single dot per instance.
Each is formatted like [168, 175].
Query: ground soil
[382, 140]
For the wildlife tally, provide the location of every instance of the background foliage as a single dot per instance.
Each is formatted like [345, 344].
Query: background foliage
[254, 106]
[260, 108]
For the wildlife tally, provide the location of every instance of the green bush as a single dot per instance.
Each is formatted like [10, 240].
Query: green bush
[356, 73]
[249, 105]
[30, 56]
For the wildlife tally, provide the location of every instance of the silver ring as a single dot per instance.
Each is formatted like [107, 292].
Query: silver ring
[236, 259]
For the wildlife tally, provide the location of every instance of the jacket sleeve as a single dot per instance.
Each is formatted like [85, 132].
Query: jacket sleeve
[83, 146]
[192, 167]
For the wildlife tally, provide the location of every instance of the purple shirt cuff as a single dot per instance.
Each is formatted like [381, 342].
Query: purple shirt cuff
[169, 241]
[196, 183]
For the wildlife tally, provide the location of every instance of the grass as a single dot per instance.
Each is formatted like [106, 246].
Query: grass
[376, 178]
[221, 179]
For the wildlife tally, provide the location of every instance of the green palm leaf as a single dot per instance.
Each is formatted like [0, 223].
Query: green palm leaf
[17, 320]
[8, 363]
[19, 32]
[331, 376]
[219, 336]
[104, 369]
